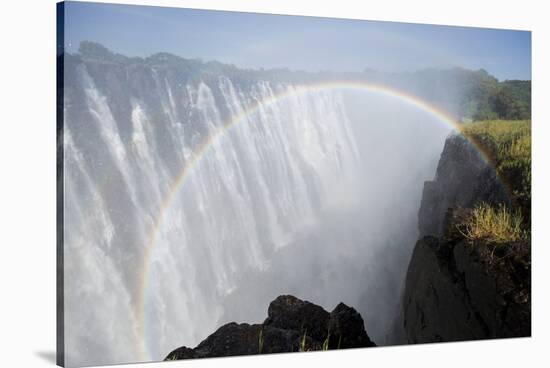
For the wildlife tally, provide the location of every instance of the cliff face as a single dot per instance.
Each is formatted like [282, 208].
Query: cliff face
[458, 289]
[292, 325]
[463, 178]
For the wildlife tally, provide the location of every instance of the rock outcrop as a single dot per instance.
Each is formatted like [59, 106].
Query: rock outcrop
[463, 178]
[292, 325]
[459, 289]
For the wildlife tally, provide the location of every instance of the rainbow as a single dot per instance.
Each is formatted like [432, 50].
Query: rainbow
[204, 148]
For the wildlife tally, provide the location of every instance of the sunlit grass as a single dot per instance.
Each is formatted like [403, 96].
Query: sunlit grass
[303, 342]
[512, 138]
[495, 225]
[508, 145]
[261, 341]
[326, 342]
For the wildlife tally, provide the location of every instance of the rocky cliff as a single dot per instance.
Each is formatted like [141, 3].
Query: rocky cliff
[464, 178]
[458, 288]
[292, 325]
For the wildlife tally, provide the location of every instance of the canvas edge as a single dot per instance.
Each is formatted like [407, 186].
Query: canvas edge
[60, 310]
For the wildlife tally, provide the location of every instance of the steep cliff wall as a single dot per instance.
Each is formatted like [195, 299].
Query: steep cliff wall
[458, 288]
[463, 178]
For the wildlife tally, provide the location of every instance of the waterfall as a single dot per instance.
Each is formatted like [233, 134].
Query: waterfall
[176, 188]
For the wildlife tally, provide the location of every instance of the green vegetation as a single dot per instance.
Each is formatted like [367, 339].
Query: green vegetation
[508, 145]
[261, 341]
[485, 98]
[325, 343]
[303, 342]
[478, 94]
[513, 99]
[498, 225]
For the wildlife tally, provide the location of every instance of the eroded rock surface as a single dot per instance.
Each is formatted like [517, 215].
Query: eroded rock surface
[292, 325]
[457, 289]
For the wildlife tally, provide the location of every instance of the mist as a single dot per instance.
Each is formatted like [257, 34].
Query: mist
[315, 194]
[358, 249]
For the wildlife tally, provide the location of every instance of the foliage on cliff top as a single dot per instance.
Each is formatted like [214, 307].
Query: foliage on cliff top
[496, 225]
[508, 145]
[490, 99]
[511, 137]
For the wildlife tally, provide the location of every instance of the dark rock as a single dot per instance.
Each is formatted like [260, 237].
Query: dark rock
[453, 223]
[290, 313]
[456, 289]
[181, 353]
[436, 305]
[346, 329]
[231, 339]
[463, 179]
[292, 325]
[453, 294]
[277, 340]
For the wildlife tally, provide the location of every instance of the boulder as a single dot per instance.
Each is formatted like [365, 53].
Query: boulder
[347, 329]
[290, 313]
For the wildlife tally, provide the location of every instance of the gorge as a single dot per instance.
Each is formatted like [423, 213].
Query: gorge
[196, 193]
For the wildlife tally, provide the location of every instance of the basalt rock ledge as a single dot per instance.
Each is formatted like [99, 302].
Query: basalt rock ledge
[292, 325]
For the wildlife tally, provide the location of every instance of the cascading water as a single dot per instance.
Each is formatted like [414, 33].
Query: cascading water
[192, 200]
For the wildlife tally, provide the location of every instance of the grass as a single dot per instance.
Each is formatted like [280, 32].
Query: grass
[303, 342]
[325, 343]
[496, 225]
[261, 341]
[507, 143]
[501, 130]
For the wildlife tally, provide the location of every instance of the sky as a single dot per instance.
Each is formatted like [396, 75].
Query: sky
[251, 40]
